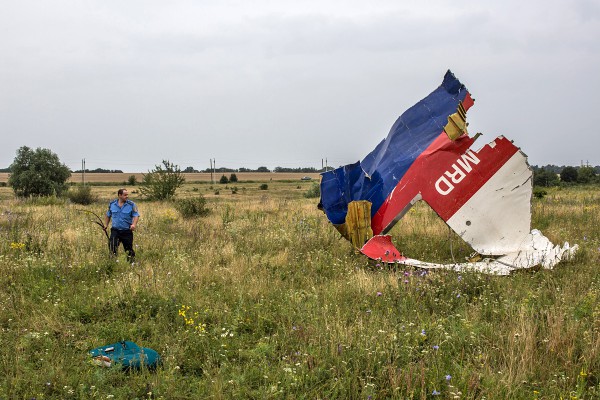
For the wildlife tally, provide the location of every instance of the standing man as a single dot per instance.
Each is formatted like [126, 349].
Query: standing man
[125, 215]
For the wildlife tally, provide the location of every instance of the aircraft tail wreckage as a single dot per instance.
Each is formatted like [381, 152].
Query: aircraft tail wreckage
[483, 195]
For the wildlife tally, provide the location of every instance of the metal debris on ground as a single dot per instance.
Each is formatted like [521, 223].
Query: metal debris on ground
[483, 195]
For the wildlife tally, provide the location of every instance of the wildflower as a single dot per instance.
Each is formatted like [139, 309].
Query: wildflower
[405, 281]
[448, 377]
[379, 294]
[368, 311]
[436, 347]
[406, 273]
[460, 277]
[435, 393]
[423, 332]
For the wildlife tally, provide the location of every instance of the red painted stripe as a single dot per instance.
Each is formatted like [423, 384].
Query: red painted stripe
[438, 163]
[468, 101]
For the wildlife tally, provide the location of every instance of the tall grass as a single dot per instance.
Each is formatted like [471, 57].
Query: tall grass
[262, 299]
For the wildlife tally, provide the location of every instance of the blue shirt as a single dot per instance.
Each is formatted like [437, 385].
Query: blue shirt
[122, 217]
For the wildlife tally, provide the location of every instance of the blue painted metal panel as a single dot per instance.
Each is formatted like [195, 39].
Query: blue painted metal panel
[376, 176]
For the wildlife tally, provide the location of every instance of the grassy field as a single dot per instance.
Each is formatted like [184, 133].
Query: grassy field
[262, 299]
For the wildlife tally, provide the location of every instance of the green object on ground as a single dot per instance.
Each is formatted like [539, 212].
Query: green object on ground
[126, 354]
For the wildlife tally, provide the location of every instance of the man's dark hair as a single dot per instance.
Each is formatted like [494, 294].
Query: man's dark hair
[120, 191]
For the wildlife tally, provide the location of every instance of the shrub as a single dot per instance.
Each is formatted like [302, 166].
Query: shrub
[264, 186]
[38, 173]
[313, 192]
[223, 179]
[539, 193]
[82, 195]
[162, 182]
[132, 180]
[192, 207]
[233, 178]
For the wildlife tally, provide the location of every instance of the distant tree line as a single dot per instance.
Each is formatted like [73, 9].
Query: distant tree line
[558, 169]
[26, 178]
[547, 175]
[552, 175]
[99, 171]
[302, 169]
[259, 169]
[194, 170]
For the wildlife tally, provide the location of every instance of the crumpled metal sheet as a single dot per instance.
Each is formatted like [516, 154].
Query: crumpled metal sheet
[483, 195]
[536, 250]
[379, 174]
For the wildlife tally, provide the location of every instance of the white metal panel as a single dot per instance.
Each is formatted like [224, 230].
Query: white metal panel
[496, 219]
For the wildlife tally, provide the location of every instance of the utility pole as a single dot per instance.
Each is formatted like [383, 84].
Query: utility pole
[83, 171]
[213, 163]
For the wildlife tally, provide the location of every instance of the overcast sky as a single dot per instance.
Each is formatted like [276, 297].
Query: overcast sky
[126, 84]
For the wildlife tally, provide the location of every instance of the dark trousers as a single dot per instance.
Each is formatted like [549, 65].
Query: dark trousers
[122, 236]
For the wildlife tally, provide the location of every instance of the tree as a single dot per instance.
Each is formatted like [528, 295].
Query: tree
[586, 175]
[568, 174]
[162, 182]
[223, 179]
[38, 172]
[233, 178]
[543, 177]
